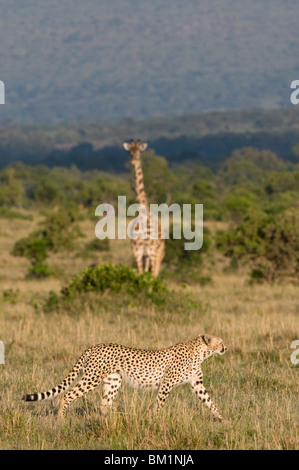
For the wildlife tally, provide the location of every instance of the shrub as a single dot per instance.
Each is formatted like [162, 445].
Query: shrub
[47, 192]
[98, 245]
[58, 233]
[6, 213]
[34, 249]
[269, 243]
[11, 189]
[60, 229]
[175, 253]
[239, 201]
[116, 278]
[186, 265]
[10, 295]
[121, 282]
[39, 271]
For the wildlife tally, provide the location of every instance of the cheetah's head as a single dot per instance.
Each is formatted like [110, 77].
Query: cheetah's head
[214, 344]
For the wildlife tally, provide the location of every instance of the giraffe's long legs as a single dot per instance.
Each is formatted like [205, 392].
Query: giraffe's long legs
[146, 264]
[157, 258]
[139, 261]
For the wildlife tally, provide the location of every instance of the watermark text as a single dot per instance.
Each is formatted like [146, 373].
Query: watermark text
[151, 223]
[295, 354]
[2, 353]
[2, 93]
[295, 94]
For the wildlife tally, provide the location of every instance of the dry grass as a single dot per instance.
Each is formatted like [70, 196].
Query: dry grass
[254, 385]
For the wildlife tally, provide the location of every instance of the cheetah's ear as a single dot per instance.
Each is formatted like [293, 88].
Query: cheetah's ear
[207, 339]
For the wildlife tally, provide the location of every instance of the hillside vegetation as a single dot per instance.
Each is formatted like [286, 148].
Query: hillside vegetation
[77, 60]
[207, 138]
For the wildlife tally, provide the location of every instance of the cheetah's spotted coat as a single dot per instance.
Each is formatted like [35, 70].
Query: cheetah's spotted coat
[160, 368]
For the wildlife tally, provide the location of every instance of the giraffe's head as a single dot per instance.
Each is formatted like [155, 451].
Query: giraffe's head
[135, 149]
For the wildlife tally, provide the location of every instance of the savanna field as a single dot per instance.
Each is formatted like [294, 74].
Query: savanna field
[149, 229]
[254, 385]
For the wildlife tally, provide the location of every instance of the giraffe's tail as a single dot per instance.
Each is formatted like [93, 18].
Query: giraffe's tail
[64, 385]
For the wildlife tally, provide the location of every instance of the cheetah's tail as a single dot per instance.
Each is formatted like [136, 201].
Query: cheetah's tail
[64, 385]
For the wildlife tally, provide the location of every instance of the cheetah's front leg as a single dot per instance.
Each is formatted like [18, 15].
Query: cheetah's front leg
[162, 396]
[200, 391]
[166, 385]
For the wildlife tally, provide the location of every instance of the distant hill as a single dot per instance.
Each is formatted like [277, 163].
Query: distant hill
[75, 60]
[207, 139]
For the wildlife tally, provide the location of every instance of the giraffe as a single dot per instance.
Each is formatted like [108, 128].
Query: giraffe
[148, 251]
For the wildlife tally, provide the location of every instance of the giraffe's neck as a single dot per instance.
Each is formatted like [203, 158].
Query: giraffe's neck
[139, 186]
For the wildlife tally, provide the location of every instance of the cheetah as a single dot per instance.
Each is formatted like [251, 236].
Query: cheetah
[110, 363]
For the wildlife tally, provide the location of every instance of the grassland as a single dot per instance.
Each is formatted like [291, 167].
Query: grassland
[254, 385]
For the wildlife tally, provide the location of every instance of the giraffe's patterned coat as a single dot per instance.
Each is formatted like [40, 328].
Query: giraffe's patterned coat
[147, 250]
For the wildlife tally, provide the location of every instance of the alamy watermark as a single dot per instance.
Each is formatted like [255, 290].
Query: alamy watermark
[295, 94]
[295, 354]
[2, 93]
[184, 223]
[2, 353]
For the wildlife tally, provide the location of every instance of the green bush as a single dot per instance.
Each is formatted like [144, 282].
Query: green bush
[36, 250]
[116, 278]
[58, 233]
[11, 189]
[176, 255]
[6, 213]
[47, 192]
[39, 271]
[98, 245]
[32, 247]
[269, 243]
[96, 286]
[186, 265]
[239, 201]
[10, 295]
[61, 230]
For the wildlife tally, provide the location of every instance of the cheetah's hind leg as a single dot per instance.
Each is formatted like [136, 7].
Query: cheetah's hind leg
[110, 389]
[83, 386]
